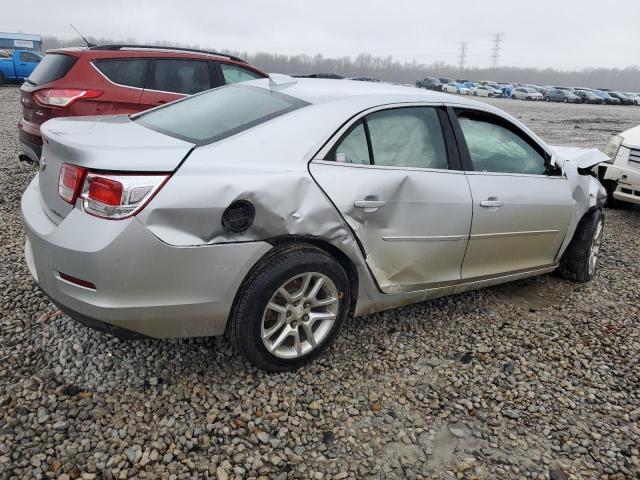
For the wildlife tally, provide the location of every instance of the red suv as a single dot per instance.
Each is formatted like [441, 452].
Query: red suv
[113, 79]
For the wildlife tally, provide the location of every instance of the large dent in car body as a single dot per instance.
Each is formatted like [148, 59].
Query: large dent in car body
[586, 190]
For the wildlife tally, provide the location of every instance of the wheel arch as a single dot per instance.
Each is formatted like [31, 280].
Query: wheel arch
[342, 258]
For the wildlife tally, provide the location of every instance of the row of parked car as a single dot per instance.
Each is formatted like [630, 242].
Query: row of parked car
[519, 91]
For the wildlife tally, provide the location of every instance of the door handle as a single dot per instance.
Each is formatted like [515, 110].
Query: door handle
[369, 205]
[491, 202]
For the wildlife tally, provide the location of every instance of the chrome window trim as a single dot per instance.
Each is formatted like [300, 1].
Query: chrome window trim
[385, 167]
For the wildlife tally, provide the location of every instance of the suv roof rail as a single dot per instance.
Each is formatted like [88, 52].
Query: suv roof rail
[166, 49]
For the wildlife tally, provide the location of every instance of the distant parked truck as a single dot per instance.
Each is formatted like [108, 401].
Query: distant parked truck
[17, 66]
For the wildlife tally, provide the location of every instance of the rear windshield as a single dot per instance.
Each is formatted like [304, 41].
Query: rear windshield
[219, 113]
[52, 67]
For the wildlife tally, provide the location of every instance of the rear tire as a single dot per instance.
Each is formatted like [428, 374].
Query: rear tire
[547, 99]
[580, 260]
[279, 331]
[1, 79]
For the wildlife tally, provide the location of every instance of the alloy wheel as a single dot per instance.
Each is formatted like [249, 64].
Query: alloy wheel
[594, 251]
[300, 315]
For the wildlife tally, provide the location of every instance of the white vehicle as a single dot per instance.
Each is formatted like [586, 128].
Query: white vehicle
[486, 91]
[621, 175]
[634, 96]
[525, 93]
[454, 87]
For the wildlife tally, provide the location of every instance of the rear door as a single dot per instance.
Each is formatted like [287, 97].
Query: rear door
[170, 79]
[125, 81]
[398, 185]
[521, 205]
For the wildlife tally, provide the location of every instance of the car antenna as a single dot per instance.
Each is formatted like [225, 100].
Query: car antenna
[89, 45]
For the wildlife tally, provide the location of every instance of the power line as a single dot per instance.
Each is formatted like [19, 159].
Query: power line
[496, 49]
[462, 56]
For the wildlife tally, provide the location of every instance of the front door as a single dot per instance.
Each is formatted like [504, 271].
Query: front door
[390, 177]
[521, 205]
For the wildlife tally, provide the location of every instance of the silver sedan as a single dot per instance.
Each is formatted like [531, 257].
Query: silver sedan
[273, 210]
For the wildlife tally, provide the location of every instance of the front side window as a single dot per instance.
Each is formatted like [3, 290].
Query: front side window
[130, 72]
[407, 137]
[180, 76]
[218, 113]
[235, 74]
[495, 148]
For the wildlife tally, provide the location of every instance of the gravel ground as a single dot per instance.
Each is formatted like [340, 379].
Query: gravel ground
[534, 380]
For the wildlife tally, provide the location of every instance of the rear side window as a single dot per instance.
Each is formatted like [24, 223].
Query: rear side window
[407, 137]
[353, 147]
[52, 67]
[130, 72]
[180, 76]
[235, 74]
[219, 113]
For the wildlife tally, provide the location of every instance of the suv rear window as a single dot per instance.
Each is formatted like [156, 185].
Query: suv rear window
[130, 72]
[52, 67]
[219, 113]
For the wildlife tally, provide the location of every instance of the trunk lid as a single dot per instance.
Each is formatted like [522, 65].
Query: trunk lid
[111, 143]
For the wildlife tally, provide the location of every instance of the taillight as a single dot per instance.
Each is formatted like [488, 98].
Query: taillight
[62, 98]
[70, 182]
[117, 196]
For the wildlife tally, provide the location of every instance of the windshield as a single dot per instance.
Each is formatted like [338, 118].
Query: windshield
[219, 113]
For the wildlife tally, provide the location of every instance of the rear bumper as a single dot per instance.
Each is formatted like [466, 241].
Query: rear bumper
[30, 140]
[142, 285]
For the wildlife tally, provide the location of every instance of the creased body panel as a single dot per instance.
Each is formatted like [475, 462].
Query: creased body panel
[418, 236]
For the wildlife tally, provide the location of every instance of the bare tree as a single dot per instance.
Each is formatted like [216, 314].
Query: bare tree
[389, 69]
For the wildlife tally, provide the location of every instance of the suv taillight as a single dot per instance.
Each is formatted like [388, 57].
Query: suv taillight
[53, 97]
[112, 196]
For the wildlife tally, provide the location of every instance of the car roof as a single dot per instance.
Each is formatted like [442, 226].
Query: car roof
[127, 51]
[316, 91]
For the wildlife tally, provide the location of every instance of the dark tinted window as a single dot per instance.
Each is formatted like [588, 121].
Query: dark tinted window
[219, 113]
[180, 76]
[130, 72]
[52, 67]
[29, 57]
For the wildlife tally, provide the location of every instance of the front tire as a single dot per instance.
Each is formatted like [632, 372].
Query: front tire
[580, 260]
[290, 308]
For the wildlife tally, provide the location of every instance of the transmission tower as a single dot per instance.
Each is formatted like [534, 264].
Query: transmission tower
[496, 49]
[462, 56]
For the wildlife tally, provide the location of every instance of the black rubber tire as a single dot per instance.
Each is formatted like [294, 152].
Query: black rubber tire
[574, 264]
[1, 79]
[261, 282]
[513, 97]
[565, 100]
[475, 94]
[610, 186]
[547, 99]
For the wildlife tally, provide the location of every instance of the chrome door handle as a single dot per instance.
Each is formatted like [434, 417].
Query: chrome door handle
[369, 203]
[491, 202]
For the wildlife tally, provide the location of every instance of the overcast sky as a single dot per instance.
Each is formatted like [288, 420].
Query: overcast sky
[567, 34]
